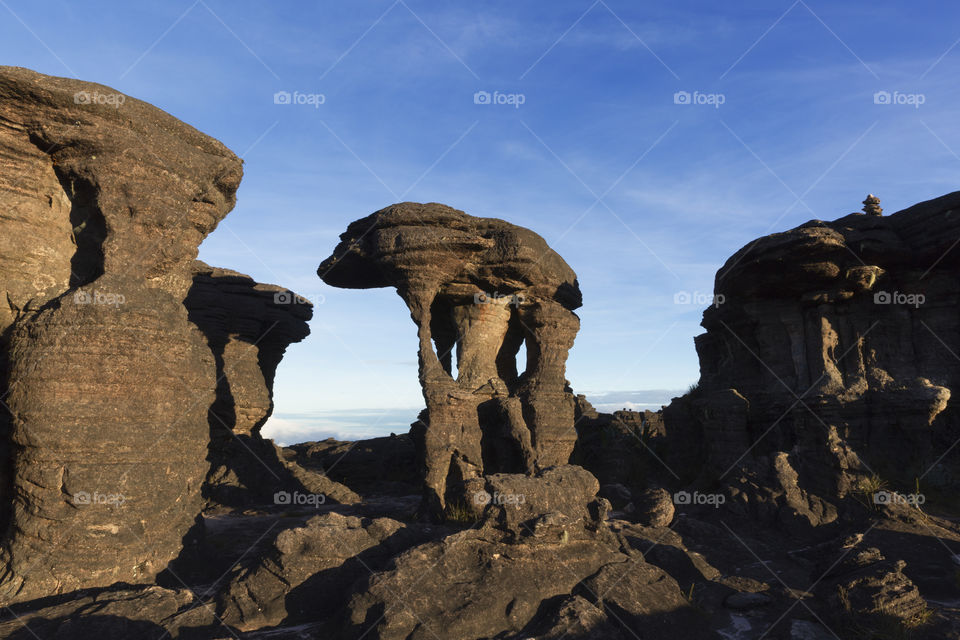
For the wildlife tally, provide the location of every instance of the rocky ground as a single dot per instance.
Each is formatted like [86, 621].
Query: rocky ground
[563, 564]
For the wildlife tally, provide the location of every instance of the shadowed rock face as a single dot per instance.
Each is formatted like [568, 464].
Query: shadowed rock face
[103, 202]
[248, 326]
[483, 287]
[833, 356]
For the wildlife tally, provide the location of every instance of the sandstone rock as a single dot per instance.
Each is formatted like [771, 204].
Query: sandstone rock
[556, 501]
[879, 588]
[577, 618]
[110, 439]
[378, 465]
[148, 612]
[307, 572]
[829, 357]
[483, 287]
[618, 495]
[108, 380]
[102, 189]
[310, 481]
[654, 508]
[619, 448]
[469, 586]
[646, 600]
[248, 327]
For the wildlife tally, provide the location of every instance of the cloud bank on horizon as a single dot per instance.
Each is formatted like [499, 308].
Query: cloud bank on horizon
[645, 143]
[351, 424]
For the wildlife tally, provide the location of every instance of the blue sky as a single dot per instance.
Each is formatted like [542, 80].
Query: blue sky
[644, 192]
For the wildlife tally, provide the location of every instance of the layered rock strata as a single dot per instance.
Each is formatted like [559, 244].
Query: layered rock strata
[830, 358]
[483, 288]
[107, 381]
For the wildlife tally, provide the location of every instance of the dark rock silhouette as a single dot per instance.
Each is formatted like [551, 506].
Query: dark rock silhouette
[830, 360]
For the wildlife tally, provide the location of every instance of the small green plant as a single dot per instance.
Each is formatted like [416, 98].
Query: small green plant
[458, 512]
[871, 484]
[879, 624]
[920, 619]
[867, 488]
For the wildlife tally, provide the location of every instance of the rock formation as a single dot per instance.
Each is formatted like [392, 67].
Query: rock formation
[248, 326]
[107, 381]
[541, 546]
[483, 287]
[136, 490]
[832, 359]
[871, 205]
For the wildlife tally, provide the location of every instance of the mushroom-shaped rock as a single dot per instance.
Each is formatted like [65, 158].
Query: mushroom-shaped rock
[484, 287]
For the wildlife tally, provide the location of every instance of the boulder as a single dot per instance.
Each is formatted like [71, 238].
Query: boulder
[558, 501]
[308, 570]
[654, 508]
[470, 586]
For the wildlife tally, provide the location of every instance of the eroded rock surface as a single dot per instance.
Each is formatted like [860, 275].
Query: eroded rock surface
[109, 381]
[829, 358]
[483, 287]
[309, 570]
[248, 327]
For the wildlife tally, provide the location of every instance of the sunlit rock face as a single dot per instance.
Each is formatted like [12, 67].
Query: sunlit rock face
[111, 387]
[103, 204]
[479, 289]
